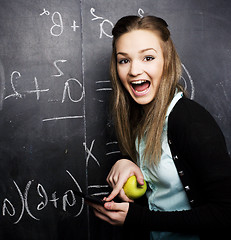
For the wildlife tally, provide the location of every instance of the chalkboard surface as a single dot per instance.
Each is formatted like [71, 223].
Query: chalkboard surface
[55, 133]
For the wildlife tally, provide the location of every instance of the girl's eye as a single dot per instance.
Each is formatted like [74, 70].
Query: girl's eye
[149, 58]
[123, 61]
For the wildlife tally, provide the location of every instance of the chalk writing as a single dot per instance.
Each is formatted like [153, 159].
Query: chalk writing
[45, 12]
[57, 29]
[58, 26]
[68, 91]
[74, 26]
[15, 76]
[68, 200]
[54, 199]
[42, 193]
[141, 12]
[102, 24]
[192, 95]
[99, 187]
[103, 88]
[58, 69]
[89, 153]
[112, 152]
[61, 118]
[15, 94]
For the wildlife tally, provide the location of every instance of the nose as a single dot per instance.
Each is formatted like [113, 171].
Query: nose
[135, 68]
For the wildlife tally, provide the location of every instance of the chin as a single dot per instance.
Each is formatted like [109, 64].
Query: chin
[144, 102]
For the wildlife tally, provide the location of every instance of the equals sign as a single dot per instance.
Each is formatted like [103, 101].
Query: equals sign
[112, 152]
[103, 89]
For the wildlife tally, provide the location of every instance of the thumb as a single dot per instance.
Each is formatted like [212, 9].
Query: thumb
[140, 180]
[139, 177]
[113, 206]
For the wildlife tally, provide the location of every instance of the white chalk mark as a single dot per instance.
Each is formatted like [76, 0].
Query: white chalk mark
[54, 199]
[191, 82]
[15, 94]
[110, 153]
[98, 186]
[42, 193]
[79, 189]
[141, 12]
[22, 201]
[92, 13]
[2, 85]
[99, 194]
[66, 201]
[109, 143]
[103, 89]
[56, 25]
[107, 81]
[37, 90]
[19, 95]
[74, 26]
[58, 69]
[102, 29]
[61, 118]
[105, 21]
[185, 83]
[89, 152]
[67, 90]
[224, 91]
[5, 208]
[26, 200]
[45, 12]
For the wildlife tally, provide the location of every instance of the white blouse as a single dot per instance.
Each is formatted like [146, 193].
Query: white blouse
[166, 192]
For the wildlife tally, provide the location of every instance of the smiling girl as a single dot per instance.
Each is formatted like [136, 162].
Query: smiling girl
[172, 142]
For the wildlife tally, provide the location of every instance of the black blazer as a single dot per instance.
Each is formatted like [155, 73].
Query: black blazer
[200, 155]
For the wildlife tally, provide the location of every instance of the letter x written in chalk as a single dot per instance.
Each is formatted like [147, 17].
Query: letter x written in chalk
[89, 153]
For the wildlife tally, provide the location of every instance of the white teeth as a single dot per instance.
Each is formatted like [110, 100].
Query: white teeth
[139, 82]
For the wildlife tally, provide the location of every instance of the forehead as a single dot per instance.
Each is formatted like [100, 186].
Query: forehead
[138, 40]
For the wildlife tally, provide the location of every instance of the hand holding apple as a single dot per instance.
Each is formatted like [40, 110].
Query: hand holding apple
[133, 189]
[119, 174]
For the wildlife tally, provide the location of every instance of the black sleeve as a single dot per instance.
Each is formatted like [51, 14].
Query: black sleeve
[203, 156]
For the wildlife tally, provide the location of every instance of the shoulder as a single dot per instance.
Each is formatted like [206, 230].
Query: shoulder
[187, 109]
[187, 112]
[189, 119]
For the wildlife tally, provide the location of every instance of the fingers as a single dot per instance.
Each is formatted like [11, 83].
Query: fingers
[119, 174]
[111, 212]
[124, 197]
[114, 192]
[118, 187]
[113, 206]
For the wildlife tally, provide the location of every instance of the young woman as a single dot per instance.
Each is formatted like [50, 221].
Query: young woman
[172, 142]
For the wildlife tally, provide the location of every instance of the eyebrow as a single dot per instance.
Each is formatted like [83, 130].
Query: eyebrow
[141, 51]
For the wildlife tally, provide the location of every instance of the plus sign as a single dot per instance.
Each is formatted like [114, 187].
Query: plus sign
[54, 199]
[74, 26]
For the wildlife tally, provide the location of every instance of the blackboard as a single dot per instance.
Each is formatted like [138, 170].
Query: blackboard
[56, 135]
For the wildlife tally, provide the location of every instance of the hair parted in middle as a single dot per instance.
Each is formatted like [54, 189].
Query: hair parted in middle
[129, 118]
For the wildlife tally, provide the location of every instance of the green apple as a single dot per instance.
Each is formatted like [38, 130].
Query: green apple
[133, 189]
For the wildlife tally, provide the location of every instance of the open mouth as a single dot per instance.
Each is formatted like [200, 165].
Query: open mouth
[140, 87]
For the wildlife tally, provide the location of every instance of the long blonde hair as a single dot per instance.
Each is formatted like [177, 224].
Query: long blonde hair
[130, 120]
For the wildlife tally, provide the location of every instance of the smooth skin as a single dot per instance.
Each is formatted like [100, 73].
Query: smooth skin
[139, 58]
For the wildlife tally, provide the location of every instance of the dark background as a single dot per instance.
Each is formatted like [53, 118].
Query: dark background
[55, 131]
